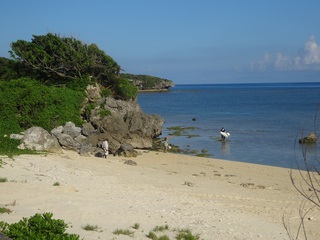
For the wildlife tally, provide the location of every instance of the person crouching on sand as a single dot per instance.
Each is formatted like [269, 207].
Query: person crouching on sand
[166, 144]
[105, 147]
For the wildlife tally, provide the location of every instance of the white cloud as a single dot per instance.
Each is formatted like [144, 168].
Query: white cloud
[308, 59]
[312, 52]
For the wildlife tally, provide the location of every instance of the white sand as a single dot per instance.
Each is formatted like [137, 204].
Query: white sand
[214, 198]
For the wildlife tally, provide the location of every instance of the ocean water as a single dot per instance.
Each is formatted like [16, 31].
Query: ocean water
[265, 120]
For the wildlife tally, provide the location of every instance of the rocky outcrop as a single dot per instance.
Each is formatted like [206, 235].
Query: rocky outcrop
[126, 128]
[126, 124]
[311, 139]
[149, 83]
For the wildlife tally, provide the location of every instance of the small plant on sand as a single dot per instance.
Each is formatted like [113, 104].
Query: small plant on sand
[2, 163]
[56, 184]
[89, 227]
[161, 228]
[123, 232]
[4, 210]
[152, 236]
[3, 180]
[136, 226]
[186, 234]
[164, 237]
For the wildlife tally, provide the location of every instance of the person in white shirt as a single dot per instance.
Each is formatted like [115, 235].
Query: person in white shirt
[105, 147]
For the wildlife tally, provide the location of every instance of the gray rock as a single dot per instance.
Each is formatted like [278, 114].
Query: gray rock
[39, 139]
[71, 129]
[16, 136]
[67, 142]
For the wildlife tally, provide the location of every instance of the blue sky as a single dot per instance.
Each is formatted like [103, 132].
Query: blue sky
[186, 41]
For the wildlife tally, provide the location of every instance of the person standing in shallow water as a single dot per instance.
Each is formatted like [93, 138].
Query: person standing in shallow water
[222, 130]
[105, 147]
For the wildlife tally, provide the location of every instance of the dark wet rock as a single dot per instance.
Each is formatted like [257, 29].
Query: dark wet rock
[311, 139]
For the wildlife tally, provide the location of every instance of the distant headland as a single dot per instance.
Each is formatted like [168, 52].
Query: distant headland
[149, 83]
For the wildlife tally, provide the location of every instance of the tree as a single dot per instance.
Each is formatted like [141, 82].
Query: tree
[66, 58]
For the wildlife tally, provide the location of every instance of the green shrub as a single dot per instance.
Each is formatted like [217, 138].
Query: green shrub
[9, 146]
[126, 90]
[38, 227]
[25, 103]
[136, 226]
[89, 227]
[164, 237]
[106, 92]
[152, 236]
[3, 180]
[161, 228]
[123, 232]
[186, 234]
[4, 210]
[104, 113]
[2, 163]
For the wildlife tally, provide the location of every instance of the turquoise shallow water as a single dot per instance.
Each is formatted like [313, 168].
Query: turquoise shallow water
[264, 120]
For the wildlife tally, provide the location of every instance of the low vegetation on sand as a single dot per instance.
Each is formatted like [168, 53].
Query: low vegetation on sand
[43, 226]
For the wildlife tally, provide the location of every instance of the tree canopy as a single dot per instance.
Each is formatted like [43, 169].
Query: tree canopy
[67, 58]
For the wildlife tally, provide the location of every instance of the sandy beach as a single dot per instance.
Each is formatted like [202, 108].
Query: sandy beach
[214, 198]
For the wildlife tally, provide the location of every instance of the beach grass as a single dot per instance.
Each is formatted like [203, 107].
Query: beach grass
[4, 210]
[90, 227]
[123, 232]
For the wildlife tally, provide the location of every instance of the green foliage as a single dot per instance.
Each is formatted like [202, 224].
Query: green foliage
[123, 232]
[63, 59]
[38, 227]
[152, 236]
[104, 113]
[3, 180]
[89, 227]
[186, 234]
[2, 163]
[87, 110]
[79, 84]
[25, 103]
[126, 90]
[8, 146]
[106, 92]
[56, 184]
[161, 228]
[4, 210]
[136, 226]
[8, 69]
[147, 82]
[164, 237]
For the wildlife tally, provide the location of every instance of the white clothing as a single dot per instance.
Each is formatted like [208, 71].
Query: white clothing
[105, 147]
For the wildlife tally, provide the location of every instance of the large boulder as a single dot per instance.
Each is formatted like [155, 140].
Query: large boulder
[36, 138]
